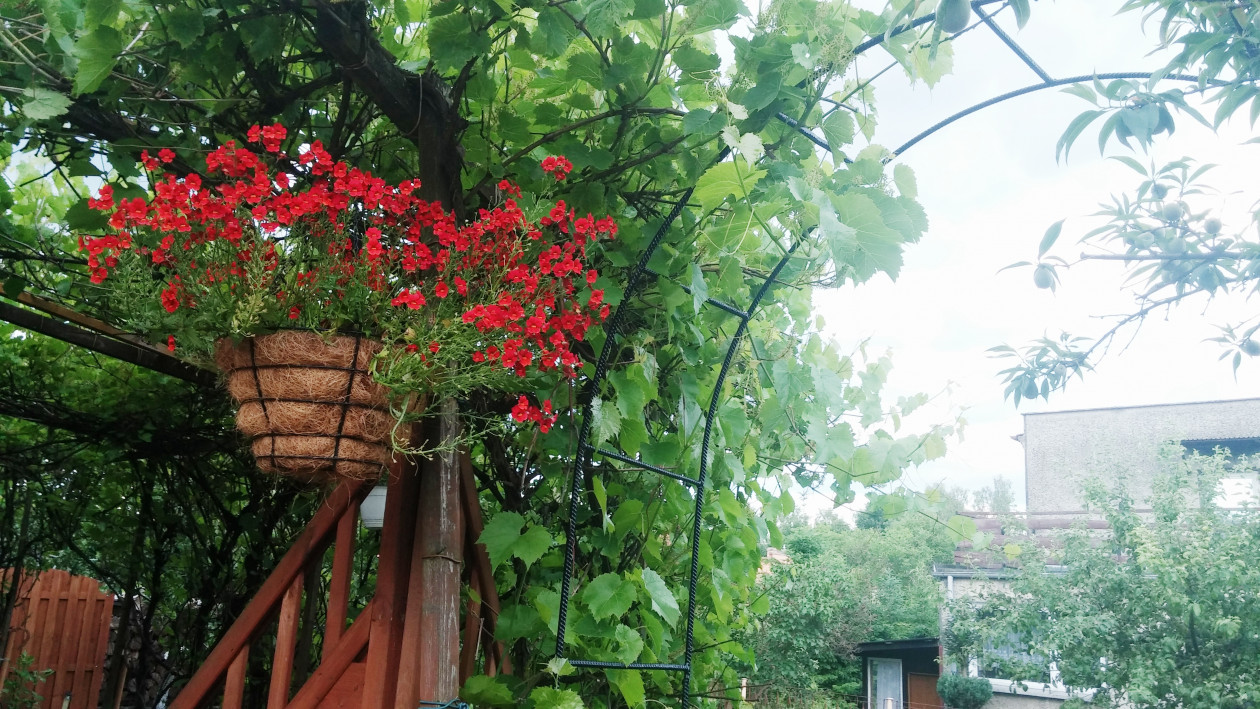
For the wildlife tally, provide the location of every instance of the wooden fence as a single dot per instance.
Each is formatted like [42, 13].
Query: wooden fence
[62, 621]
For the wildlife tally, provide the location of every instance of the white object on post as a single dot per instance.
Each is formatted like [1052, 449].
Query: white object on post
[372, 509]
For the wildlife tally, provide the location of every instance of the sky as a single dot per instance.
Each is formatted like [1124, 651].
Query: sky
[991, 186]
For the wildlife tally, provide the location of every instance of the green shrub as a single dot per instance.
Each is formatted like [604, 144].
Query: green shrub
[960, 692]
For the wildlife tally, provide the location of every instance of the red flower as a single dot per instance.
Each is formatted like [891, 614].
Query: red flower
[294, 312]
[170, 297]
[170, 343]
[434, 347]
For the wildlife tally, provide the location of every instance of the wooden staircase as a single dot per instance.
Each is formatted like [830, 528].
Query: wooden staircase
[404, 647]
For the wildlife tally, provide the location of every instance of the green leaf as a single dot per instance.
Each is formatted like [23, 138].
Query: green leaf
[13, 286]
[500, 534]
[601, 497]
[721, 181]
[97, 52]
[1051, 235]
[608, 596]
[42, 104]
[532, 545]
[549, 698]
[81, 218]
[604, 16]
[630, 684]
[699, 288]
[903, 177]
[481, 690]
[100, 12]
[865, 244]
[764, 93]
[607, 421]
[1074, 130]
[702, 122]
[185, 25]
[663, 601]
[629, 642]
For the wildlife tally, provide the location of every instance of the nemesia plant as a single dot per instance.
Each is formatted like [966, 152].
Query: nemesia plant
[264, 241]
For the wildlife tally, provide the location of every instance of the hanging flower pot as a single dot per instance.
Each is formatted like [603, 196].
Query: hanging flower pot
[248, 262]
[309, 403]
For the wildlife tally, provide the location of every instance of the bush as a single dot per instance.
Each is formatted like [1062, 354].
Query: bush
[960, 692]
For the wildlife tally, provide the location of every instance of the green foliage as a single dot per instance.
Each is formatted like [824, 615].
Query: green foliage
[19, 690]
[861, 585]
[1151, 613]
[959, 692]
[1172, 243]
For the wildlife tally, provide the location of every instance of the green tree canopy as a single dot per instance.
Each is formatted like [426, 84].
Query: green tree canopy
[1158, 611]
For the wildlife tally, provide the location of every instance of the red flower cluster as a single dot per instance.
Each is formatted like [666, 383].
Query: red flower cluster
[558, 166]
[525, 412]
[501, 291]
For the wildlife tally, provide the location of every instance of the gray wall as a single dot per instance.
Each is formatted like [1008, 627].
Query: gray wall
[1063, 448]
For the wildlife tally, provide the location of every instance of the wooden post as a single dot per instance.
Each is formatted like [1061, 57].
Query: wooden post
[389, 604]
[431, 635]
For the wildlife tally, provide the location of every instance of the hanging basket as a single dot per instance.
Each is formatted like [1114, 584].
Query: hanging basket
[309, 403]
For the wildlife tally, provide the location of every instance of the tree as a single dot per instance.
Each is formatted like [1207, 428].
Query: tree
[998, 497]
[1156, 612]
[1167, 231]
[843, 587]
[462, 94]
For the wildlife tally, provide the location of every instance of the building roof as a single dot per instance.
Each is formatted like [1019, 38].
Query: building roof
[932, 644]
[1145, 406]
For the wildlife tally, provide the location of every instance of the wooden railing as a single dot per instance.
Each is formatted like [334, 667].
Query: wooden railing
[405, 646]
[280, 597]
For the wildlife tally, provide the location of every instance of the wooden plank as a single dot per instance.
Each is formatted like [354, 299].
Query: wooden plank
[472, 628]
[67, 639]
[286, 645]
[308, 545]
[390, 601]
[58, 595]
[234, 683]
[336, 661]
[339, 585]
[101, 648]
[84, 662]
[431, 630]
[349, 689]
[118, 349]
[496, 655]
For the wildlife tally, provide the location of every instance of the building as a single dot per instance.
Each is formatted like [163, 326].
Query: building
[1062, 449]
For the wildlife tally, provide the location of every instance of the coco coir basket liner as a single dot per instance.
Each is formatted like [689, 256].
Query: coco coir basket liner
[309, 404]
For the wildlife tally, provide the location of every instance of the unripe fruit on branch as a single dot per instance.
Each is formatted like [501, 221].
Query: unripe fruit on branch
[1171, 211]
[1212, 225]
[1159, 191]
[1043, 277]
[1251, 348]
[953, 15]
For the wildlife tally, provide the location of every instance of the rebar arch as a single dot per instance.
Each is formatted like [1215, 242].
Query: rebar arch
[639, 276]
[636, 279]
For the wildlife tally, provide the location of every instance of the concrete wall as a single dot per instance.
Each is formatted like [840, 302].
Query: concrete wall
[1061, 449]
[1002, 700]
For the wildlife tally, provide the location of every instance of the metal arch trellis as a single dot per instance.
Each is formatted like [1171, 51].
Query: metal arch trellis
[586, 451]
[635, 280]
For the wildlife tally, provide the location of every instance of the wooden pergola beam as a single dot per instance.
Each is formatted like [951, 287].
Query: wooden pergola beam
[123, 350]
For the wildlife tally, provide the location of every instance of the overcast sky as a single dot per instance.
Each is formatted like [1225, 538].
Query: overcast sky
[991, 187]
